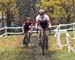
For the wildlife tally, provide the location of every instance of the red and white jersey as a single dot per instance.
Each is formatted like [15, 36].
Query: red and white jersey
[45, 18]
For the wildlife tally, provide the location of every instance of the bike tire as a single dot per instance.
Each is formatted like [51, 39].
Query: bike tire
[46, 44]
[25, 40]
[43, 45]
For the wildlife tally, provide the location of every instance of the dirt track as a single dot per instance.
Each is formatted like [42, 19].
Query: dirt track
[37, 53]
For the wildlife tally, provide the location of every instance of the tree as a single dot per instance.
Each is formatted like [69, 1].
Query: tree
[10, 10]
[27, 8]
[61, 11]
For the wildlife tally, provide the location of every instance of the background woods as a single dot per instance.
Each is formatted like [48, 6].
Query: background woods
[14, 12]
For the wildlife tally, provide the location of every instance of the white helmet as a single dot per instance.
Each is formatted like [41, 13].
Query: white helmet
[41, 11]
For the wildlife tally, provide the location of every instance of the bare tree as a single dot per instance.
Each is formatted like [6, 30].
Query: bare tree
[27, 8]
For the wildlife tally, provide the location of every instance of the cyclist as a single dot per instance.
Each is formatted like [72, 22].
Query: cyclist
[42, 22]
[26, 27]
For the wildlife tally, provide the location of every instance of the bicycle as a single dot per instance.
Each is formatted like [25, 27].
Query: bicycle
[26, 39]
[44, 41]
[27, 36]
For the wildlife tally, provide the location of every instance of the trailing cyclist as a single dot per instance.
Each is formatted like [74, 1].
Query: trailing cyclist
[27, 30]
[42, 22]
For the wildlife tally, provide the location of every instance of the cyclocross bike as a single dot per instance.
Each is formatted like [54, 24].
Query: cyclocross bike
[44, 41]
[27, 36]
[26, 39]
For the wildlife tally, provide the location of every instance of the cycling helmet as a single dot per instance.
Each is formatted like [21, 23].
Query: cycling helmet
[41, 11]
[28, 18]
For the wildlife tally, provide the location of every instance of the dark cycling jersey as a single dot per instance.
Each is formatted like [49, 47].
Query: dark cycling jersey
[26, 25]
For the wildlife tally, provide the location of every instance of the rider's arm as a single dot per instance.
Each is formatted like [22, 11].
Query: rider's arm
[31, 27]
[48, 21]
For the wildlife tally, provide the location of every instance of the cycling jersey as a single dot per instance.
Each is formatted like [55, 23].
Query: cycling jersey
[43, 21]
[26, 25]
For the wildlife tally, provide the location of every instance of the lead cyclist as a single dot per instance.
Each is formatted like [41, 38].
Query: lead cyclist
[42, 22]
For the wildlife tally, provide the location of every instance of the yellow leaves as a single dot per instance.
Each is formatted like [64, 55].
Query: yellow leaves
[59, 11]
[0, 1]
[11, 5]
[56, 14]
[43, 0]
[45, 3]
[0, 12]
[57, 2]
[11, 41]
[8, 1]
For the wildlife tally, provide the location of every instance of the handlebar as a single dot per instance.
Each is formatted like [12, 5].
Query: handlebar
[37, 29]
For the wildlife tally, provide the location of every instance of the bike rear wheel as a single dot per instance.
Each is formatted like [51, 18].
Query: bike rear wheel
[26, 40]
[43, 44]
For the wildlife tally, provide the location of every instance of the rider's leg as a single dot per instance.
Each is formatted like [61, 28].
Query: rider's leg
[30, 32]
[47, 32]
[39, 34]
[39, 38]
[29, 36]
[24, 43]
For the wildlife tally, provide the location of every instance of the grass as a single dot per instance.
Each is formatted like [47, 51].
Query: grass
[61, 55]
[11, 48]
[15, 54]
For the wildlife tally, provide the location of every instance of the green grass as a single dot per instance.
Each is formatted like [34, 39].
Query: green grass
[61, 55]
[15, 54]
[12, 49]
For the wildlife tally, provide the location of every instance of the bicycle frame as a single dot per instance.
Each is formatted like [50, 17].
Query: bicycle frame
[26, 39]
[44, 42]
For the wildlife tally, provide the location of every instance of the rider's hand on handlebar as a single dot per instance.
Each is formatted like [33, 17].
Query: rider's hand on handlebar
[36, 26]
[49, 26]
